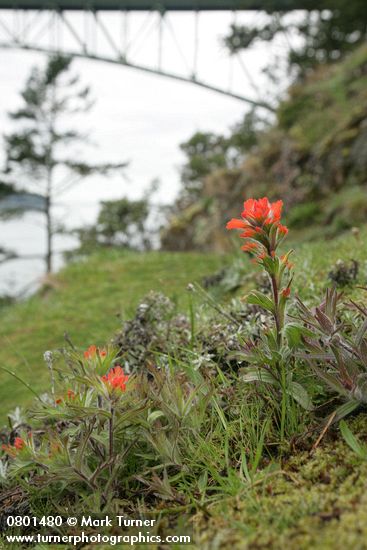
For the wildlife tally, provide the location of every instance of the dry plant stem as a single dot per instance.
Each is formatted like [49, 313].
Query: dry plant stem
[327, 426]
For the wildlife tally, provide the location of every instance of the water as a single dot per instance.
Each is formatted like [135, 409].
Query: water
[27, 237]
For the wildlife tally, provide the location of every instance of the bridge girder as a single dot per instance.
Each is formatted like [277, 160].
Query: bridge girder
[149, 70]
[26, 30]
[163, 5]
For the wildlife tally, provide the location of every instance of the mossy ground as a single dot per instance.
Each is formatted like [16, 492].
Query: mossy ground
[315, 500]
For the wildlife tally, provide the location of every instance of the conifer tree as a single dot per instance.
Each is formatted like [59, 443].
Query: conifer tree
[41, 155]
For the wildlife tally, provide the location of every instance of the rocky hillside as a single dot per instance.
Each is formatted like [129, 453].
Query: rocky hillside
[314, 157]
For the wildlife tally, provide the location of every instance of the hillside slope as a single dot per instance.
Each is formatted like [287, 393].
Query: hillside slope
[314, 158]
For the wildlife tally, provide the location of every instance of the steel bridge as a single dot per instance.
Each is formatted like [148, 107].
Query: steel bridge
[105, 30]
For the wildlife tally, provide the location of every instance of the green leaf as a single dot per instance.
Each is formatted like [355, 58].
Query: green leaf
[153, 416]
[203, 481]
[260, 299]
[220, 414]
[332, 381]
[352, 441]
[345, 409]
[255, 374]
[294, 332]
[300, 395]
[361, 332]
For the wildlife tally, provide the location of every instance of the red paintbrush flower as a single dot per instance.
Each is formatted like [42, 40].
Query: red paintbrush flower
[250, 247]
[258, 218]
[116, 379]
[90, 353]
[93, 351]
[12, 450]
[237, 224]
[283, 230]
[19, 443]
[262, 211]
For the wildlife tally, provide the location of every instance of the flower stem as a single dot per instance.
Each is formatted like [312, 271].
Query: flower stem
[280, 365]
[284, 402]
[278, 324]
[111, 438]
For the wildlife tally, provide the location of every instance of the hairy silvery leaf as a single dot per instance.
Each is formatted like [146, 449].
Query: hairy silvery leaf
[326, 325]
[345, 409]
[332, 381]
[361, 332]
[363, 352]
[360, 390]
[300, 395]
[254, 374]
[3, 470]
[17, 417]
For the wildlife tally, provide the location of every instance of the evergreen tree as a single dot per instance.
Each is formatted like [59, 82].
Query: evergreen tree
[39, 159]
[333, 29]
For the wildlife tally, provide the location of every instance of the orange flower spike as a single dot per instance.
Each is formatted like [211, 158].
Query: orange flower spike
[116, 379]
[250, 247]
[282, 229]
[19, 443]
[237, 224]
[54, 448]
[90, 352]
[262, 211]
[12, 450]
[71, 394]
[248, 233]
[260, 222]
[275, 212]
[93, 351]
[286, 292]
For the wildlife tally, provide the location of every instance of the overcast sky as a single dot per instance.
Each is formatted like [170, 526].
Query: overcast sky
[138, 117]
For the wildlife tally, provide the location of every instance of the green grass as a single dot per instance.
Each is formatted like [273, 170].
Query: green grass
[88, 300]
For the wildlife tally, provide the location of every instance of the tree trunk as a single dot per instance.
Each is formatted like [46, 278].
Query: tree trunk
[49, 235]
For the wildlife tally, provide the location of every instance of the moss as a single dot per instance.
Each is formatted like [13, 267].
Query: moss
[317, 500]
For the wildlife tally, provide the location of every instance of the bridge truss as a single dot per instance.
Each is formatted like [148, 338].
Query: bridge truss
[152, 41]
